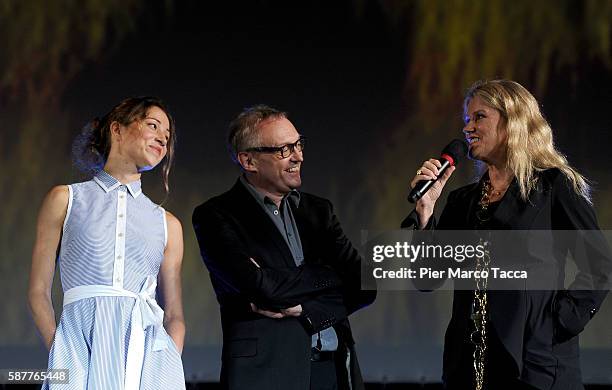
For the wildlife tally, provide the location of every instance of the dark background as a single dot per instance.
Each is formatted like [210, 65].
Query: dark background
[376, 86]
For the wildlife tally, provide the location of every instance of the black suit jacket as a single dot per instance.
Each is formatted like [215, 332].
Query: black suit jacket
[539, 329]
[260, 352]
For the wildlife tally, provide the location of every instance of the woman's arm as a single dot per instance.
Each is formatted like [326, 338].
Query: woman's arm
[582, 299]
[424, 208]
[170, 282]
[48, 234]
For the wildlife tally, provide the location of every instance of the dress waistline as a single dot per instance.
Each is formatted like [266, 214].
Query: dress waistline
[146, 313]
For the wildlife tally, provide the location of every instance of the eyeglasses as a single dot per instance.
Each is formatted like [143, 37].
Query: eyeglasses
[281, 151]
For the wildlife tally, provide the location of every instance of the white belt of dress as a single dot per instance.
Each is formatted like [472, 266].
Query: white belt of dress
[146, 312]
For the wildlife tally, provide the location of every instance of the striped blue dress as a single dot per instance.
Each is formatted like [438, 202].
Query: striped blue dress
[111, 335]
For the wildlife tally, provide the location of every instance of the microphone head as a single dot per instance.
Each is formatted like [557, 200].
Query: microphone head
[457, 149]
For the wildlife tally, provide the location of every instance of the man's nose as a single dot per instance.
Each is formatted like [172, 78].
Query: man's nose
[297, 155]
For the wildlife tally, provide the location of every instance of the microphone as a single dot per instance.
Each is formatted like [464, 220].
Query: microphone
[452, 153]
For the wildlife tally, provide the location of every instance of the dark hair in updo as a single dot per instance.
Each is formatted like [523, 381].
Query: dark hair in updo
[91, 148]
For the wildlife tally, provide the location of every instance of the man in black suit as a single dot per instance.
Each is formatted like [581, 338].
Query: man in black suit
[285, 275]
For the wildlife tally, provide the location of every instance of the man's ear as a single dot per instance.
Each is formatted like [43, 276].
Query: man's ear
[247, 161]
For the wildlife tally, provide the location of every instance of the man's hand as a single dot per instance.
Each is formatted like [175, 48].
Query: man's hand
[267, 313]
[294, 311]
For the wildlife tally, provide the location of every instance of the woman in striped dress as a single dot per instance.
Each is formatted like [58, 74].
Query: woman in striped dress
[113, 245]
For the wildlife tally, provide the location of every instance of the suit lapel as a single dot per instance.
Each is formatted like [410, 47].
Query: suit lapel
[514, 212]
[304, 226]
[474, 197]
[256, 222]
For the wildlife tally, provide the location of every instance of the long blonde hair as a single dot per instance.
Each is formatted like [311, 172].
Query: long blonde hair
[529, 142]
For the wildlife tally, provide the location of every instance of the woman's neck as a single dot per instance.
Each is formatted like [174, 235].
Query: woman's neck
[500, 178]
[122, 171]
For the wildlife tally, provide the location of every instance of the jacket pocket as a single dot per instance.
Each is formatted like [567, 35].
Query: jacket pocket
[243, 347]
[539, 371]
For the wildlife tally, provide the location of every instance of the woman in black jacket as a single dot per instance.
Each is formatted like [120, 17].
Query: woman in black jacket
[526, 184]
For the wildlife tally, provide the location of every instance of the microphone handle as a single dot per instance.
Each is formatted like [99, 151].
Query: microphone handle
[423, 186]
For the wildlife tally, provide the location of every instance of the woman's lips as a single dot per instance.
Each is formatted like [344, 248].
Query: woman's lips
[157, 149]
[473, 140]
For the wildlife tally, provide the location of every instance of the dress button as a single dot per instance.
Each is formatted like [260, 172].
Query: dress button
[275, 212]
[119, 257]
[120, 215]
[120, 234]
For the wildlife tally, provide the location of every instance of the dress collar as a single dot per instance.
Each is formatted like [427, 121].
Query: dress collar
[109, 183]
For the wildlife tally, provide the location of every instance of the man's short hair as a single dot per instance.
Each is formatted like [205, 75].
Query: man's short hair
[243, 133]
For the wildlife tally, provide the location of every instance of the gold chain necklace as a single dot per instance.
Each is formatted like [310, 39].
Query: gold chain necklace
[480, 304]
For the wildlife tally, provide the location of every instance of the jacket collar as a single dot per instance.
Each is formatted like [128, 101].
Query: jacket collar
[252, 214]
